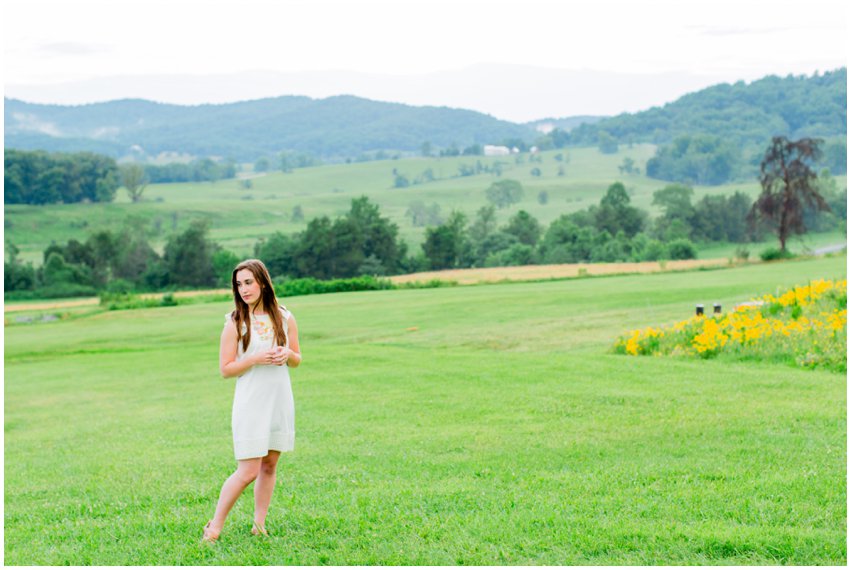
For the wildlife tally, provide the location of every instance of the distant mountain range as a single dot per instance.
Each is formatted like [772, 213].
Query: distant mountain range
[336, 127]
[345, 126]
[511, 92]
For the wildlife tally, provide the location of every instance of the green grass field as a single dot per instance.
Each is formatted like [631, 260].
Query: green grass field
[477, 425]
[240, 217]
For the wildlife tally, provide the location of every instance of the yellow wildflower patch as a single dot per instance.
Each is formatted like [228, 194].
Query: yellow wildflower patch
[805, 325]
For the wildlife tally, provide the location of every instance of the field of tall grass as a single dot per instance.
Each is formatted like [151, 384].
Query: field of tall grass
[468, 425]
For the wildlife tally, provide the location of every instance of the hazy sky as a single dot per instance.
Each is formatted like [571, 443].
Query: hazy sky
[48, 42]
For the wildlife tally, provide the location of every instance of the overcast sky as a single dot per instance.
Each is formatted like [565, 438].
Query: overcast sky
[50, 42]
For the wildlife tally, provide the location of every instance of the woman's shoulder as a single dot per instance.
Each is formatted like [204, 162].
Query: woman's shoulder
[285, 312]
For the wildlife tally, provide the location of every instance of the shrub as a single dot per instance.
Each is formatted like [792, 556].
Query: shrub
[775, 253]
[60, 290]
[311, 286]
[742, 253]
[682, 249]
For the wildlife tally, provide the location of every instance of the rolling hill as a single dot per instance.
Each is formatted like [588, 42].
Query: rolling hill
[336, 127]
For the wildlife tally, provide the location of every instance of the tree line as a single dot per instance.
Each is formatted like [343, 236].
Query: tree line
[201, 170]
[38, 177]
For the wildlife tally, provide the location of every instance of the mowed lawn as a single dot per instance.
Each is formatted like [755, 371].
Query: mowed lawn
[481, 425]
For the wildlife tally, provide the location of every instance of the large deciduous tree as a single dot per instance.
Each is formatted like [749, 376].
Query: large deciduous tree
[789, 186]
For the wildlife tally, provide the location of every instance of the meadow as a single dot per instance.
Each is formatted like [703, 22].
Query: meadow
[239, 217]
[481, 425]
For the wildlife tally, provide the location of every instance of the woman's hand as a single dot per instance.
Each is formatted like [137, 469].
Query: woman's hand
[275, 356]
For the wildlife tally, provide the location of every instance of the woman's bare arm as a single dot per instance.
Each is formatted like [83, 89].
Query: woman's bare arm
[228, 349]
[294, 354]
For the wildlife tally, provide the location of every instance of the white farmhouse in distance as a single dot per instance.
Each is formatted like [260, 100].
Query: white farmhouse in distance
[491, 150]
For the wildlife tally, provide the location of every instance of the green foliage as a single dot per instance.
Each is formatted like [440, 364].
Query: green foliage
[698, 159]
[606, 143]
[628, 166]
[744, 115]
[262, 164]
[615, 214]
[62, 290]
[39, 177]
[516, 254]
[134, 180]
[524, 227]
[200, 170]
[426, 176]
[56, 271]
[775, 254]
[298, 214]
[224, 263]
[444, 245]
[400, 181]
[682, 249]
[310, 286]
[290, 160]
[17, 276]
[188, 257]
[836, 156]
[504, 193]
[327, 249]
[422, 215]
[675, 201]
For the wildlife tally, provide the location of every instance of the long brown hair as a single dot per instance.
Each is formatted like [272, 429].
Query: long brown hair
[241, 316]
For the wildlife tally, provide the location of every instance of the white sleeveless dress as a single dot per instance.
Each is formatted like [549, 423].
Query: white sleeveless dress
[263, 416]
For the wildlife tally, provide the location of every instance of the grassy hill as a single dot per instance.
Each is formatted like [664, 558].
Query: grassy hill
[472, 425]
[239, 217]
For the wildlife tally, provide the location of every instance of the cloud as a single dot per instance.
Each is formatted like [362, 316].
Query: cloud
[72, 49]
[739, 30]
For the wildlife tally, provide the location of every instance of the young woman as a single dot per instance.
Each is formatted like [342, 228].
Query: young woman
[259, 343]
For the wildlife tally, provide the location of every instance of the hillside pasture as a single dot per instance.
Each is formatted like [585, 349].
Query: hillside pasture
[239, 217]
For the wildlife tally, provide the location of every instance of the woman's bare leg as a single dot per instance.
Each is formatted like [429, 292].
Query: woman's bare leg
[245, 473]
[264, 486]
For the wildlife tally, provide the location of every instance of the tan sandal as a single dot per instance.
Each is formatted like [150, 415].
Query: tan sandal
[208, 535]
[258, 530]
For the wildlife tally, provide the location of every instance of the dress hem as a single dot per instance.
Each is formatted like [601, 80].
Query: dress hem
[253, 448]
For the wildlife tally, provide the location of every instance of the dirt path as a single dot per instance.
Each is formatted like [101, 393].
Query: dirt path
[533, 272]
[92, 301]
